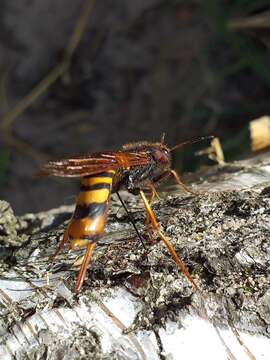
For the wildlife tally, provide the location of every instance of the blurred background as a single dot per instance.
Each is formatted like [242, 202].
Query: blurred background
[84, 76]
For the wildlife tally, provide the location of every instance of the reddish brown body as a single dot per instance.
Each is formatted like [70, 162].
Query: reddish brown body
[136, 168]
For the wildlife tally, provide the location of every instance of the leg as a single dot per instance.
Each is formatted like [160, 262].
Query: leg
[176, 178]
[154, 193]
[131, 220]
[86, 260]
[179, 182]
[74, 244]
[182, 267]
[60, 246]
[147, 219]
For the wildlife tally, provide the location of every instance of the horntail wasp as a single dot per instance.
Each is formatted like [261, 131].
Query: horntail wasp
[137, 168]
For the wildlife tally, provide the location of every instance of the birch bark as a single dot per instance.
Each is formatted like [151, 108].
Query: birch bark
[134, 303]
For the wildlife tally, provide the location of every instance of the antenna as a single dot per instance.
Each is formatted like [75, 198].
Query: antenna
[192, 142]
[162, 138]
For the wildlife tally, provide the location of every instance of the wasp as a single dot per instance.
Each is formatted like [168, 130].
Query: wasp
[138, 168]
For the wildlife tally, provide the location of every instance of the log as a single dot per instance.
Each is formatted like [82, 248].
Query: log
[134, 303]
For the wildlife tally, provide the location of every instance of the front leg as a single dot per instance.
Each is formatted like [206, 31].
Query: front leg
[176, 178]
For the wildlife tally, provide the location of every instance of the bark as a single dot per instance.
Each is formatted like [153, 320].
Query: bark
[134, 303]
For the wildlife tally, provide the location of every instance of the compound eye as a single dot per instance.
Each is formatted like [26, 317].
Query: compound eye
[161, 156]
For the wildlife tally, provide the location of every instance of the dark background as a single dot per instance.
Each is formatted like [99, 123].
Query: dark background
[141, 68]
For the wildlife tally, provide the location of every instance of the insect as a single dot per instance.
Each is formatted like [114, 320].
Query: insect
[137, 168]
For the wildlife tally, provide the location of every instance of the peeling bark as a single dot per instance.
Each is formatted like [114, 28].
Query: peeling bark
[134, 303]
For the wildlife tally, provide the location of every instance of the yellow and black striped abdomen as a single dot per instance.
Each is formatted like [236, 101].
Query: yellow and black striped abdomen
[89, 218]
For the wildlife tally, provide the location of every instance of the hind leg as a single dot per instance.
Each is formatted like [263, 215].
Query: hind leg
[83, 269]
[60, 246]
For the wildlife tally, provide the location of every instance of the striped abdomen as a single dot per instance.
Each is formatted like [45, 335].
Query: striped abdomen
[88, 221]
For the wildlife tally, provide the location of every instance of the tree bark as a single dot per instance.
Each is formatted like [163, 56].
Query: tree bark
[134, 303]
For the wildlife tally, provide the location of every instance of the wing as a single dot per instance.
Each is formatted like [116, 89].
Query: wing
[95, 163]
